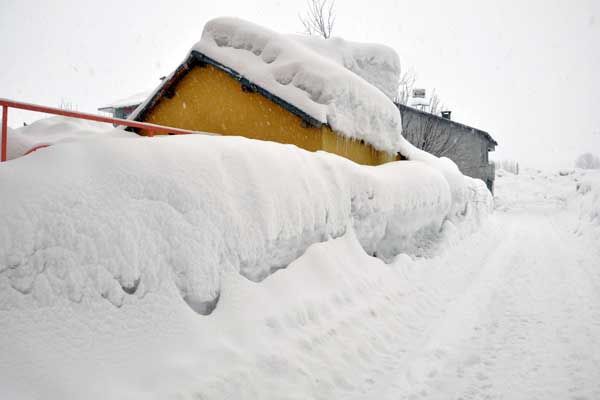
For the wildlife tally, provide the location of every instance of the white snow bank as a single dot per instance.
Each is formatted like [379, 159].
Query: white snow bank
[296, 71]
[456, 180]
[48, 131]
[116, 217]
[107, 246]
[376, 63]
[588, 203]
[575, 192]
[318, 329]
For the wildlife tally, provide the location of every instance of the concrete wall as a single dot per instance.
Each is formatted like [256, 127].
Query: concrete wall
[467, 147]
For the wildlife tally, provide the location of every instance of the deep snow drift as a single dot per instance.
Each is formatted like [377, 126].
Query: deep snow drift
[510, 310]
[111, 249]
[141, 211]
[52, 130]
[93, 298]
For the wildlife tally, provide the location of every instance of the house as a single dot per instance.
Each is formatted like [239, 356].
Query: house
[242, 79]
[468, 147]
[124, 107]
[333, 95]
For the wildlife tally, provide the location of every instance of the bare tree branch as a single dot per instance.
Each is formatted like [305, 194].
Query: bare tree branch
[430, 133]
[405, 86]
[435, 105]
[320, 18]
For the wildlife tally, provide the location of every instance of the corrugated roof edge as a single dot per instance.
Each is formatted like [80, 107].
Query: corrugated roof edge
[196, 58]
[452, 122]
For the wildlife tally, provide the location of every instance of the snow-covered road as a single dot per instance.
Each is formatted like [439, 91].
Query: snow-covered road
[526, 325]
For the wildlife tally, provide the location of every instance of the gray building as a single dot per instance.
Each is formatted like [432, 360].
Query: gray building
[468, 147]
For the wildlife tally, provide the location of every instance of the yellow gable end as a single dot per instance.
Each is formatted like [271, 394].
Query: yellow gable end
[208, 99]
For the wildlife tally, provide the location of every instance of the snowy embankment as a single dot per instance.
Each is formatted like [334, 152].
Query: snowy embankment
[105, 243]
[570, 189]
[48, 131]
[588, 201]
[140, 212]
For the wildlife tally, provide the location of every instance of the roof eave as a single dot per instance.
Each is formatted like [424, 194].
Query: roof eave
[196, 58]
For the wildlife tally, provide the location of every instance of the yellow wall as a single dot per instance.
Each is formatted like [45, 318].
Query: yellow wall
[208, 99]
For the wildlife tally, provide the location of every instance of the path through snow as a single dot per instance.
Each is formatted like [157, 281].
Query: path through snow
[525, 326]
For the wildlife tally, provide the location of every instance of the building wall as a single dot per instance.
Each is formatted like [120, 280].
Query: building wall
[466, 146]
[208, 99]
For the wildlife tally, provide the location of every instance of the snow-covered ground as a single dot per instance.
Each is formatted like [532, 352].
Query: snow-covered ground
[115, 251]
[520, 317]
[112, 250]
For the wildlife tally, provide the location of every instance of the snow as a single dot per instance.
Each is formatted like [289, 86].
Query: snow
[588, 190]
[48, 131]
[145, 267]
[133, 100]
[324, 87]
[576, 190]
[109, 251]
[376, 63]
[197, 267]
[283, 213]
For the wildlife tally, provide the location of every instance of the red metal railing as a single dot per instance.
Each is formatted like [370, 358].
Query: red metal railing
[151, 128]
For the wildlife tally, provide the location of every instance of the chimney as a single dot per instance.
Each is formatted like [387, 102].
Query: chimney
[446, 114]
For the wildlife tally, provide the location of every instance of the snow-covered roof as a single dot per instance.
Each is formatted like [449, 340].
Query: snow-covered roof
[131, 101]
[348, 86]
[377, 64]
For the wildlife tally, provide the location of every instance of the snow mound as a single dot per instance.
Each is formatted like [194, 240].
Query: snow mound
[376, 63]
[109, 250]
[48, 131]
[588, 203]
[326, 88]
[105, 219]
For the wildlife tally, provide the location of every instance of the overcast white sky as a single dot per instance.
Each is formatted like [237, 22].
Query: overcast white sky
[525, 71]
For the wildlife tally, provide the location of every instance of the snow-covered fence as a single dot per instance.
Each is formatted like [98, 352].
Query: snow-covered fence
[6, 104]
